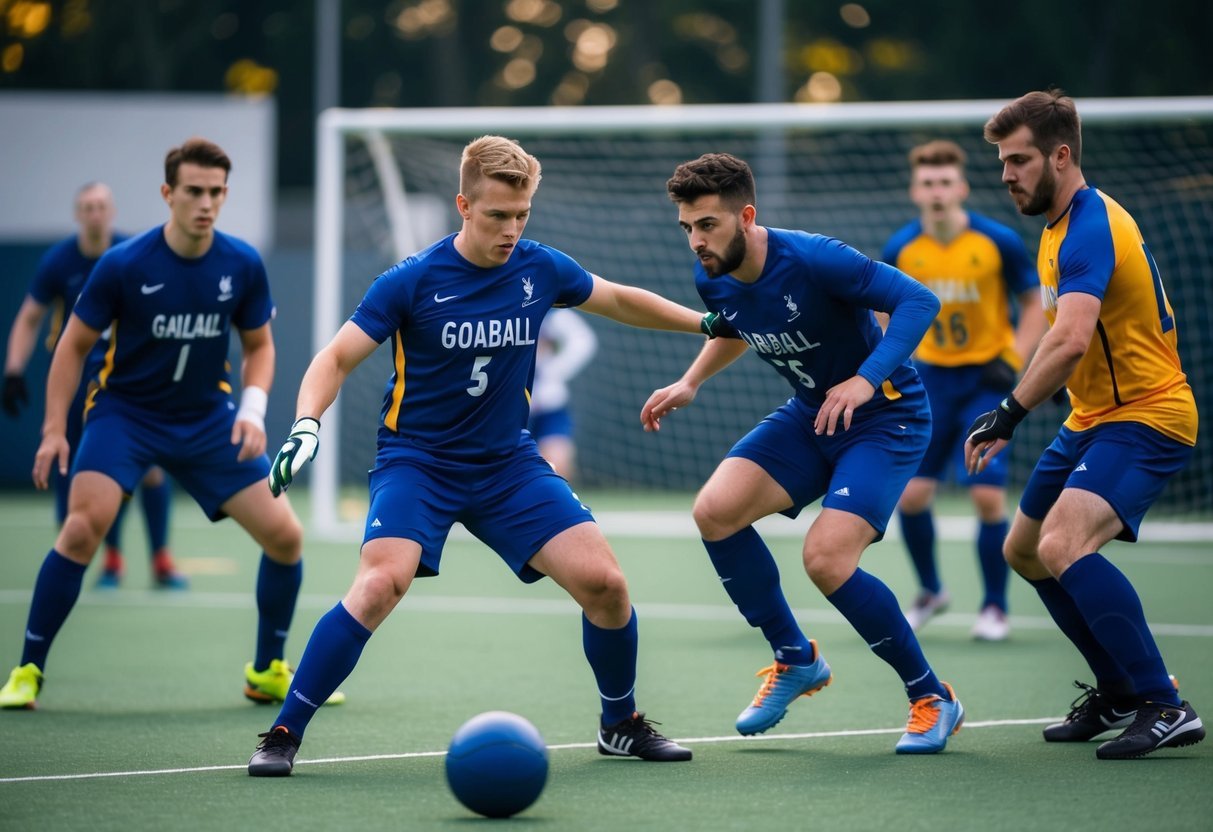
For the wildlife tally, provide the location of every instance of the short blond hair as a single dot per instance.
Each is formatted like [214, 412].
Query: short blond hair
[940, 152]
[496, 157]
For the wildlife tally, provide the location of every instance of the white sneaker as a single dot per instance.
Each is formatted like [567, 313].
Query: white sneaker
[927, 605]
[991, 625]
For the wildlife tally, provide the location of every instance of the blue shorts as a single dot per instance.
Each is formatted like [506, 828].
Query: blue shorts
[514, 505]
[957, 398]
[553, 423]
[1126, 463]
[122, 442]
[862, 470]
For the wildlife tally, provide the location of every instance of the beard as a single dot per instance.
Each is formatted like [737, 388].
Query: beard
[1039, 200]
[730, 260]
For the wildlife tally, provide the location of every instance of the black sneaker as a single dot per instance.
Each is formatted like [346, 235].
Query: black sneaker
[1158, 725]
[636, 737]
[1091, 714]
[275, 757]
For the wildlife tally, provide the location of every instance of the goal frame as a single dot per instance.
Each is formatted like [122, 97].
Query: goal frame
[334, 125]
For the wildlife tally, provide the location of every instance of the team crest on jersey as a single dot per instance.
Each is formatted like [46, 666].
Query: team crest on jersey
[225, 287]
[792, 307]
[528, 289]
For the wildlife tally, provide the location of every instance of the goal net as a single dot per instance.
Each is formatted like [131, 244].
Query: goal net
[386, 186]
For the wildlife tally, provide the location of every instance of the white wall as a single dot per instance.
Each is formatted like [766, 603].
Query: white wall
[52, 143]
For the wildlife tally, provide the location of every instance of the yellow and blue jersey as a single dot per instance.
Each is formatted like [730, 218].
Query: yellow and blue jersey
[463, 345]
[170, 320]
[1131, 371]
[973, 277]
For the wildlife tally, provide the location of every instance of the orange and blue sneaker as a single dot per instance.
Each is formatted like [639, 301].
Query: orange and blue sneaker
[21, 690]
[781, 685]
[932, 720]
[270, 686]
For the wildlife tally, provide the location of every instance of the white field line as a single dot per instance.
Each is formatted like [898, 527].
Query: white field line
[859, 732]
[475, 605]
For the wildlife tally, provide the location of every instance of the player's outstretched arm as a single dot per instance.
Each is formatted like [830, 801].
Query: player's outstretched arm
[714, 357]
[61, 385]
[21, 339]
[317, 392]
[641, 308]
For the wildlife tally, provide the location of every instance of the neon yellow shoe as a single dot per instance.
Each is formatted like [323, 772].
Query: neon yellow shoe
[21, 690]
[274, 683]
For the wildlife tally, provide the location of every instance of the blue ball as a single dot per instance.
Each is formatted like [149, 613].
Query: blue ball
[497, 764]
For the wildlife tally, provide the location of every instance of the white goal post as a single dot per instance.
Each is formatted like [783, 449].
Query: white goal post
[383, 137]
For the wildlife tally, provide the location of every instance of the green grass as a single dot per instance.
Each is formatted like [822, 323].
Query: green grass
[142, 725]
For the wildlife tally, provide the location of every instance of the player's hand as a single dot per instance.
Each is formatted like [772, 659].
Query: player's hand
[714, 325]
[299, 447]
[998, 375]
[15, 393]
[842, 400]
[250, 437]
[990, 433]
[53, 451]
[666, 400]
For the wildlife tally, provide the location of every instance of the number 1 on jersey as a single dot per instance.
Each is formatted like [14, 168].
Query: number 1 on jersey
[181, 359]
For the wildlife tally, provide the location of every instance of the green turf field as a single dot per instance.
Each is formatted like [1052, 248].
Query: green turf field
[142, 725]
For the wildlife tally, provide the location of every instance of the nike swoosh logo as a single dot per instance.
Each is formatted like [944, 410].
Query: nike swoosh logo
[445, 299]
[151, 290]
[730, 317]
[529, 302]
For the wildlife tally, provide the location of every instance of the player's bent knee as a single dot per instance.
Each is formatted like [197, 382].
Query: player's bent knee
[79, 537]
[283, 542]
[713, 519]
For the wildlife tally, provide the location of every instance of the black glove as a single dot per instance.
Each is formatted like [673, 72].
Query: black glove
[715, 325]
[998, 423]
[998, 375]
[15, 394]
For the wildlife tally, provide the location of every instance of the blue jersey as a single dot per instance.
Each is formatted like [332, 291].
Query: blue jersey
[463, 344]
[171, 319]
[57, 283]
[809, 316]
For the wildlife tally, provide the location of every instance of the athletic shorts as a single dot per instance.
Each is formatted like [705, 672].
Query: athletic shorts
[957, 398]
[1126, 463]
[514, 505]
[122, 442]
[861, 471]
[553, 423]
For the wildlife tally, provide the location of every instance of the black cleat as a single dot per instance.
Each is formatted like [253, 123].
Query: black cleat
[275, 756]
[636, 737]
[1158, 725]
[1091, 714]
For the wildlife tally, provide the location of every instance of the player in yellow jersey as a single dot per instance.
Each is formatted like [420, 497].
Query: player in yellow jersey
[968, 362]
[1133, 426]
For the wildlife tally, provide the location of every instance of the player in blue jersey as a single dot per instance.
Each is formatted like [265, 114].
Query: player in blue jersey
[463, 317]
[967, 361]
[171, 299]
[60, 276]
[1114, 345]
[852, 434]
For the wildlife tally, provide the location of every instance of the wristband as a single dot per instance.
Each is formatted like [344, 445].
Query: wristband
[253, 401]
[1014, 409]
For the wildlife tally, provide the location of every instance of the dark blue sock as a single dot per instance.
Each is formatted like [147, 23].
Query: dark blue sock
[113, 537]
[918, 530]
[330, 656]
[612, 656]
[156, 500]
[750, 577]
[872, 609]
[55, 592]
[277, 590]
[1112, 610]
[994, 569]
[1109, 675]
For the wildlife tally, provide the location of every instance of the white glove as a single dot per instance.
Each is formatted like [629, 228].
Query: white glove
[299, 447]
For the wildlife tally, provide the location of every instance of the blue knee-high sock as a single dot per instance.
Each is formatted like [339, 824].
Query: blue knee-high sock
[113, 537]
[156, 500]
[1109, 675]
[919, 533]
[55, 593]
[994, 569]
[750, 577]
[1112, 610]
[330, 656]
[872, 609]
[277, 590]
[612, 656]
